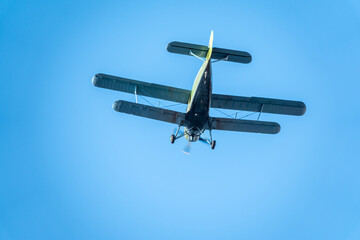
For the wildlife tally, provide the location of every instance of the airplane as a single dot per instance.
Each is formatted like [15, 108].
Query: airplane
[200, 99]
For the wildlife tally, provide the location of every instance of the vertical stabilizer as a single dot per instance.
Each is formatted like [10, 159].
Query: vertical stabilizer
[208, 55]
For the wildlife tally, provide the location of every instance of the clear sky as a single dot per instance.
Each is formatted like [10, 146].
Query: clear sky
[73, 168]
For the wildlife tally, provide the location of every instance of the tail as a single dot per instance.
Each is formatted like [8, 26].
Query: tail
[208, 55]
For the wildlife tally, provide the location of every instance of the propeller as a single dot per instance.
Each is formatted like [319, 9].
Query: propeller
[187, 148]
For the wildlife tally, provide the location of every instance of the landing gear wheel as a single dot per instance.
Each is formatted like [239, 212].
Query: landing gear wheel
[172, 138]
[213, 143]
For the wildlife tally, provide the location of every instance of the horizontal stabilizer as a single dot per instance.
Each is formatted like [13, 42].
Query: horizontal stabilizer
[155, 113]
[256, 104]
[217, 53]
[141, 88]
[241, 125]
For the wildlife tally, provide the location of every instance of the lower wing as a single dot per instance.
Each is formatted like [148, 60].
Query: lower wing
[243, 125]
[170, 116]
[155, 113]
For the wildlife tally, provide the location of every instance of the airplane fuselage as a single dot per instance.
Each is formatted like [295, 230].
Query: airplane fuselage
[197, 114]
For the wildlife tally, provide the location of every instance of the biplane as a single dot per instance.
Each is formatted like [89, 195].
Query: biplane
[200, 99]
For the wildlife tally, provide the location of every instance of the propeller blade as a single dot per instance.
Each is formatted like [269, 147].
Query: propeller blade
[187, 148]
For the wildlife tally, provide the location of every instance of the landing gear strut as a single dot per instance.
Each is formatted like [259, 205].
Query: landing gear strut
[175, 136]
[210, 141]
[213, 143]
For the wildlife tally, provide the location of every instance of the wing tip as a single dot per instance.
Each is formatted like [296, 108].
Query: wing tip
[96, 79]
[116, 105]
[274, 128]
[169, 46]
[277, 128]
[249, 59]
[303, 109]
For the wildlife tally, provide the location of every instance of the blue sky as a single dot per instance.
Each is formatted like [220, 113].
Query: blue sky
[73, 168]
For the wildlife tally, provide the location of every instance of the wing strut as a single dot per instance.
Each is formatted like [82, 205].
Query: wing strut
[136, 100]
[193, 54]
[223, 59]
[262, 105]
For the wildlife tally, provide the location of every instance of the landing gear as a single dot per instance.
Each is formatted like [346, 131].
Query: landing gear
[175, 136]
[204, 139]
[213, 143]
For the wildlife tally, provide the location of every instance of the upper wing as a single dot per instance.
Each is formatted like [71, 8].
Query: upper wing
[244, 125]
[217, 53]
[148, 111]
[256, 104]
[142, 88]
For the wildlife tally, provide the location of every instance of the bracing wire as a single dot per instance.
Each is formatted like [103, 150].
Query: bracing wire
[232, 115]
[248, 115]
[223, 113]
[172, 105]
[147, 101]
[160, 103]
